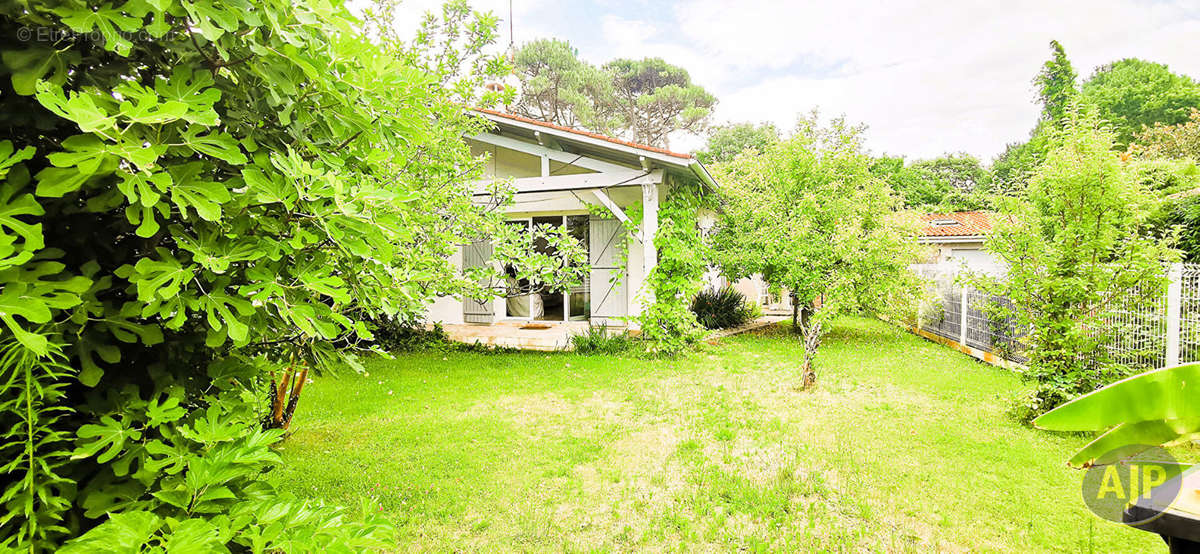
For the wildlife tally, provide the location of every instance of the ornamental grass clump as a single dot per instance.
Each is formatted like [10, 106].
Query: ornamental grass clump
[722, 308]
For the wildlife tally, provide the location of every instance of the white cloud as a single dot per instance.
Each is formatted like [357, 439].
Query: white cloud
[626, 38]
[927, 77]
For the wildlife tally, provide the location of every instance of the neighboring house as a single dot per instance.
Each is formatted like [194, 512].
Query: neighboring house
[558, 173]
[957, 238]
[756, 290]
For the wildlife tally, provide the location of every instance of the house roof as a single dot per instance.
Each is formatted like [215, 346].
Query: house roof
[956, 225]
[579, 132]
[585, 142]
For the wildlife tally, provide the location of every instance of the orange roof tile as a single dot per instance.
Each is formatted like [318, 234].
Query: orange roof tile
[589, 134]
[965, 224]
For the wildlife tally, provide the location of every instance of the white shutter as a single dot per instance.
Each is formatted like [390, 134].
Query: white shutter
[477, 310]
[606, 243]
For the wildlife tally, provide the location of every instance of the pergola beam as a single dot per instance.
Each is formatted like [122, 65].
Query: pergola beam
[614, 208]
[581, 181]
[649, 231]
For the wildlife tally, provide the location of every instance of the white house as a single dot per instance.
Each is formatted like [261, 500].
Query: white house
[558, 173]
[957, 239]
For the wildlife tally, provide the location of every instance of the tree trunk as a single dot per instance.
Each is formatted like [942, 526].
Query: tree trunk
[284, 398]
[811, 340]
[808, 377]
[795, 308]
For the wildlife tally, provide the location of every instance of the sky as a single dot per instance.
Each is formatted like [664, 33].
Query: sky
[926, 77]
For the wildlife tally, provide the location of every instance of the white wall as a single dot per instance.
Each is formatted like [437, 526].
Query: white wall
[969, 254]
[447, 309]
[503, 162]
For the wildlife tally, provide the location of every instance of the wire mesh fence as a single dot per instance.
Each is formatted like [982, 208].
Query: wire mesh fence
[1189, 307]
[942, 318]
[1138, 331]
[1165, 331]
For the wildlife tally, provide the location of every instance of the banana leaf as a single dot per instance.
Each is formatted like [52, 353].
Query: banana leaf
[1159, 395]
[1128, 439]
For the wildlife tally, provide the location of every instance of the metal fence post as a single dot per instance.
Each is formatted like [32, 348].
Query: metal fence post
[1174, 307]
[962, 316]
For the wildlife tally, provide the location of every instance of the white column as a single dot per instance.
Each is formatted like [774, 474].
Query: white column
[545, 166]
[649, 231]
[962, 316]
[1174, 306]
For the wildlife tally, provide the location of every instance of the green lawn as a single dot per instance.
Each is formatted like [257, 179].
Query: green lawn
[904, 445]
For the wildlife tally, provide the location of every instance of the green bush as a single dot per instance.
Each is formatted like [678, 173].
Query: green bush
[600, 340]
[754, 309]
[398, 336]
[722, 309]
[668, 326]
[1076, 246]
[195, 479]
[195, 196]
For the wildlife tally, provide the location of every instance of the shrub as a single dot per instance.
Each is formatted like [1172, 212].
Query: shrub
[668, 326]
[199, 481]
[721, 309]
[754, 309]
[193, 202]
[401, 336]
[1076, 244]
[598, 340]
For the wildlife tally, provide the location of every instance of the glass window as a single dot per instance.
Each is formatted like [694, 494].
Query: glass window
[518, 304]
[553, 303]
[579, 298]
[574, 304]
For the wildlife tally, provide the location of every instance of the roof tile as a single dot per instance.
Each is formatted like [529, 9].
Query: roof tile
[590, 134]
[965, 224]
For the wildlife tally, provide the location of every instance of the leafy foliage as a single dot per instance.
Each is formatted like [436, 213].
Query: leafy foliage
[400, 336]
[667, 323]
[1133, 95]
[1056, 84]
[1177, 217]
[450, 46]
[721, 309]
[1165, 157]
[1180, 218]
[192, 202]
[1056, 90]
[809, 216]
[1166, 177]
[640, 100]
[1076, 243]
[652, 98]
[1181, 140]
[950, 183]
[34, 448]
[193, 480]
[599, 340]
[557, 86]
[725, 142]
[1013, 168]
[1147, 409]
[546, 258]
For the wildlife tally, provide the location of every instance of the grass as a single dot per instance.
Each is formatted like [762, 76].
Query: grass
[903, 446]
